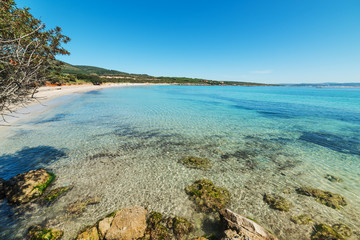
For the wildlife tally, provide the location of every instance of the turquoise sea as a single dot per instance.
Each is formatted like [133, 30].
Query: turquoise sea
[125, 144]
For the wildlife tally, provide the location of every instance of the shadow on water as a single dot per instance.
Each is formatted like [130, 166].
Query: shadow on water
[333, 142]
[27, 159]
[57, 118]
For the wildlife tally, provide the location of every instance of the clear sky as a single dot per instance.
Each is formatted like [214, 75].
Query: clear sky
[277, 41]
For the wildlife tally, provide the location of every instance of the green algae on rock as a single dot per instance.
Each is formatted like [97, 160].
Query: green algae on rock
[195, 162]
[38, 232]
[159, 227]
[79, 206]
[329, 199]
[325, 232]
[207, 196]
[342, 229]
[55, 193]
[277, 202]
[27, 186]
[332, 178]
[301, 219]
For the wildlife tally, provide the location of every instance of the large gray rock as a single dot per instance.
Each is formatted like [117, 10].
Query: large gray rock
[128, 224]
[241, 228]
[2, 188]
[26, 186]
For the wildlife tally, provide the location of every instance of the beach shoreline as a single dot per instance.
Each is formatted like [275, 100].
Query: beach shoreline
[47, 94]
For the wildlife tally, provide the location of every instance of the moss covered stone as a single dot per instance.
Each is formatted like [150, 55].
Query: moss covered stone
[38, 232]
[43, 186]
[329, 199]
[342, 229]
[55, 193]
[325, 232]
[195, 162]
[277, 202]
[301, 219]
[181, 227]
[207, 196]
[332, 178]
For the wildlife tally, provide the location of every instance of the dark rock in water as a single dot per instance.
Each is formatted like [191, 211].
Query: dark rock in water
[195, 162]
[90, 233]
[159, 227]
[325, 232]
[38, 232]
[27, 186]
[207, 196]
[277, 202]
[239, 227]
[302, 219]
[79, 206]
[181, 227]
[342, 229]
[2, 188]
[332, 178]
[329, 199]
[55, 193]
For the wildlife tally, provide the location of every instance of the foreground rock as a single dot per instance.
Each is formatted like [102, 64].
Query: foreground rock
[241, 228]
[195, 162]
[38, 232]
[129, 223]
[329, 199]
[27, 186]
[207, 196]
[89, 234]
[2, 188]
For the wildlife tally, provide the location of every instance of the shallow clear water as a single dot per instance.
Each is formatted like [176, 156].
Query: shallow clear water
[125, 144]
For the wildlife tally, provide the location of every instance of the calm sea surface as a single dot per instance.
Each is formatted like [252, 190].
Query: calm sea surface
[125, 144]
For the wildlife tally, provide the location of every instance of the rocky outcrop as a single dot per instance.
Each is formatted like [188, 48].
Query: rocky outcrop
[327, 198]
[89, 234]
[104, 226]
[38, 232]
[2, 188]
[129, 223]
[241, 228]
[79, 206]
[277, 202]
[27, 186]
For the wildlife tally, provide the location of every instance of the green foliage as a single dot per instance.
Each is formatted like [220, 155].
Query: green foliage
[43, 186]
[40, 233]
[55, 193]
[27, 53]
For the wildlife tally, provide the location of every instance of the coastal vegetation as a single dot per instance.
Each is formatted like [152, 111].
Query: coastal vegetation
[27, 54]
[196, 162]
[277, 202]
[327, 198]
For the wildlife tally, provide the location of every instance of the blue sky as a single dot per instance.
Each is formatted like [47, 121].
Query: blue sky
[287, 41]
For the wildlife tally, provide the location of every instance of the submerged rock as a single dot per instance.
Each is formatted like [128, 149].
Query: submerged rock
[239, 227]
[90, 233]
[2, 188]
[207, 196]
[38, 232]
[129, 223]
[332, 178]
[55, 193]
[79, 206]
[277, 202]
[325, 232]
[27, 186]
[301, 219]
[342, 229]
[181, 227]
[329, 199]
[195, 162]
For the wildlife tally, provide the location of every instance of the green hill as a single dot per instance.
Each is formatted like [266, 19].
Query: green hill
[97, 75]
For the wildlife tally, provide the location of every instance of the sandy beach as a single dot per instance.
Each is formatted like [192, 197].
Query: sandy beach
[45, 95]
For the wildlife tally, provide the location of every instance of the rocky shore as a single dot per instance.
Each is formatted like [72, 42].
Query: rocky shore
[136, 222]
